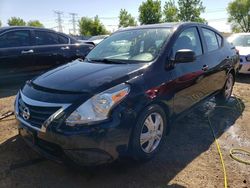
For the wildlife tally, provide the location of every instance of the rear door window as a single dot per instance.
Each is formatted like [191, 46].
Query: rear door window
[17, 38]
[63, 39]
[45, 38]
[211, 39]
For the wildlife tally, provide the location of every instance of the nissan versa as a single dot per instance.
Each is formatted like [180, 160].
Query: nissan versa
[122, 98]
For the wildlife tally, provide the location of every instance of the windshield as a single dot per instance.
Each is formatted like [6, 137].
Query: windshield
[240, 40]
[140, 45]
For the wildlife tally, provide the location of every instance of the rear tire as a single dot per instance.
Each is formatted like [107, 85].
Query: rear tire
[148, 133]
[226, 92]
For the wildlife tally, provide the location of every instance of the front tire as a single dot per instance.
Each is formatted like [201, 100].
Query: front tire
[148, 133]
[226, 92]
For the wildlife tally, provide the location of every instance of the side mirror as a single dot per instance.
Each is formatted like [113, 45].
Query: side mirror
[184, 56]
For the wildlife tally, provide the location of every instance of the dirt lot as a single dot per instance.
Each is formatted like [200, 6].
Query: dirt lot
[189, 157]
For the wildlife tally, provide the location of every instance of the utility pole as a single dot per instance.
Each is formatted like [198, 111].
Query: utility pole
[59, 20]
[73, 21]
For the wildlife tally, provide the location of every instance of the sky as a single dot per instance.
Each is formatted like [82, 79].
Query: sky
[107, 10]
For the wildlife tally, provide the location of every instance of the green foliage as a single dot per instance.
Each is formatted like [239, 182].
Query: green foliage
[0, 23]
[150, 12]
[236, 29]
[126, 19]
[15, 21]
[170, 11]
[35, 23]
[190, 10]
[85, 24]
[91, 27]
[239, 15]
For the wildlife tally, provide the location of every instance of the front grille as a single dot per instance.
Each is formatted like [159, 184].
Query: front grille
[38, 115]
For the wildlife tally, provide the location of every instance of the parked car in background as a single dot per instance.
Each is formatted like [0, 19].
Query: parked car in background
[94, 39]
[26, 51]
[124, 96]
[242, 43]
[97, 39]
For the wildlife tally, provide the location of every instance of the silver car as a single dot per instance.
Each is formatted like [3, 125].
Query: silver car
[242, 43]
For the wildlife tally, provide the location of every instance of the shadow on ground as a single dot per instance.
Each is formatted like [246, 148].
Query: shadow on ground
[189, 138]
[243, 78]
[10, 90]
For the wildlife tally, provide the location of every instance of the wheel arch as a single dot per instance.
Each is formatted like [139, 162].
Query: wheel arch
[233, 72]
[166, 108]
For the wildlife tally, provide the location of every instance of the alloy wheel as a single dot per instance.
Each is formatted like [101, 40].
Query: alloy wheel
[151, 133]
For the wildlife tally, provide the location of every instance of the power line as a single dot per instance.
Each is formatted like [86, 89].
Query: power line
[73, 21]
[59, 20]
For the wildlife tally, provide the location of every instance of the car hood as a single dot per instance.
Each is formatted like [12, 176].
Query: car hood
[88, 77]
[243, 50]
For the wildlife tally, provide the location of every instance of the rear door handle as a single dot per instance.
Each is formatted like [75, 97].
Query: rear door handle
[27, 51]
[65, 48]
[205, 67]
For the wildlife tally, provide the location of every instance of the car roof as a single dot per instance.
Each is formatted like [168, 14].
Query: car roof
[9, 28]
[162, 25]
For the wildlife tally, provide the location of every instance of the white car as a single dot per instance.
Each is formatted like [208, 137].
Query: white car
[94, 39]
[242, 43]
[98, 38]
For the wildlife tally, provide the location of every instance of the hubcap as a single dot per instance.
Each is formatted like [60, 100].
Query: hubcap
[229, 86]
[151, 133]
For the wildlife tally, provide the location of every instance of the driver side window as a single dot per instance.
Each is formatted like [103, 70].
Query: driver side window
[188, 39]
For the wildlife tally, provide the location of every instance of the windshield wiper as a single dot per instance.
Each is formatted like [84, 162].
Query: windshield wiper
[104, 60]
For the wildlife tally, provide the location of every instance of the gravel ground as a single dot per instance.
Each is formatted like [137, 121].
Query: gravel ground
[189, 156]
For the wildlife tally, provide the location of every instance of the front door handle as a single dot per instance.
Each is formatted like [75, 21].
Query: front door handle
[205, 67]
[65, 48]
[27, 51]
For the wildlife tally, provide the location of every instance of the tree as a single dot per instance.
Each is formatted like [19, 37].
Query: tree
[14, 21]
[0, 23]
[35, 23]
[85, 26]
[190, 10]
[236, 29]
[90, 27]
[150, 12]
[239, 15]
[126, 19]
[170, 11]
[98, 28]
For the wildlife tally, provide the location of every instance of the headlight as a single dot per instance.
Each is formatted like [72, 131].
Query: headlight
[98, 107]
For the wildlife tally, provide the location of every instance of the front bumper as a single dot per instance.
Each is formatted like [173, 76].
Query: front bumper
[97, 147]
[91, 155]
[96, 144]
